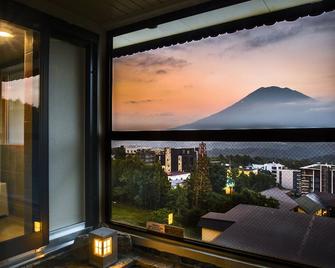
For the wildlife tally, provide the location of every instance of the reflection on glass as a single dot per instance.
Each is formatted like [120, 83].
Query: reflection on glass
[19, 91]
[232, 194]
[278, 76]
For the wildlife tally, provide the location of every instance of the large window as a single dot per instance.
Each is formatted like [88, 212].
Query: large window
[19, 88]
[278, 76]
[230, 191]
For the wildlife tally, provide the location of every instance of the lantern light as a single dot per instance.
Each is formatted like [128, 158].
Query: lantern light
[37, 226]
[230, 184]
[6, 34]
[170, 218]
[103, 247]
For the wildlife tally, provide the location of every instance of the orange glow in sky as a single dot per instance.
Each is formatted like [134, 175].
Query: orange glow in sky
[172, 86]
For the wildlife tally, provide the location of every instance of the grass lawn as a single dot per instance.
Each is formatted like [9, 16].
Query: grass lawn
[130, 215]
[138, 217]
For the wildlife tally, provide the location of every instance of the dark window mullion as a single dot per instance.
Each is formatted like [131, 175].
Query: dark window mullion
[264, 135]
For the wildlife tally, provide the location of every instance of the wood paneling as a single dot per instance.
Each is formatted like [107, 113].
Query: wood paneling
[110, 14]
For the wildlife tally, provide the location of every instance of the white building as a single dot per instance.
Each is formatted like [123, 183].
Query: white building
[132, 150]
[273, 167]
[257, 166]
[177, 178]
[288, 178]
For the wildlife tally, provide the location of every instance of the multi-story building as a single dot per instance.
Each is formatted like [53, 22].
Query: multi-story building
[133, 150]
[178, 178]
[289, 178]
[179, 159]
[273, 167]
[317, 178]
[147, 156]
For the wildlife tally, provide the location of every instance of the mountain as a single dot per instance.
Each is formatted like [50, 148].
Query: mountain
[270, 107]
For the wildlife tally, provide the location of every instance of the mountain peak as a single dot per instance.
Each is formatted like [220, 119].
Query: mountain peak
[274, 93]
[267, 107]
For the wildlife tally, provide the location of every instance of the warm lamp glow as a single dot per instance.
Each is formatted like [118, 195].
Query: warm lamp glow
[170, 218]
[229, 190]
[37, 226]
[98, 247]
[103, 248]
[6, 34]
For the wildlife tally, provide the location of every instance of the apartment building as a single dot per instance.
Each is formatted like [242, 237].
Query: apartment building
[317, 178]
[179, 159]
[289, 178]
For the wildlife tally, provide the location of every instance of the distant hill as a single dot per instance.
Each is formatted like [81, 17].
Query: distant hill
[270, 107]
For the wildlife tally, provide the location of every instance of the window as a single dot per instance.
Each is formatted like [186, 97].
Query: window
[237, 112]
[19, 107]
[278, 76]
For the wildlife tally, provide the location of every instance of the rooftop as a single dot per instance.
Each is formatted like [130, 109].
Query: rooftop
[317, 166]
[285, 202]
[313, 202]
[273, 232]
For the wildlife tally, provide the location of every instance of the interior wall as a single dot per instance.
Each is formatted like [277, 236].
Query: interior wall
[66, 134]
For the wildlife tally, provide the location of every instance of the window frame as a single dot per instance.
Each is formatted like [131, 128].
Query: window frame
[243, 135]
[51, 27]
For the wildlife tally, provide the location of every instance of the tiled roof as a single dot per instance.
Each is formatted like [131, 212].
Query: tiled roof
[272, 232]
[285, 202]
[313, 202]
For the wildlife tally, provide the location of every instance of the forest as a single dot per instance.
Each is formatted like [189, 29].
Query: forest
[139, 186]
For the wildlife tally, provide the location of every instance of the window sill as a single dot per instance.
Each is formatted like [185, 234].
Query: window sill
[198, 250]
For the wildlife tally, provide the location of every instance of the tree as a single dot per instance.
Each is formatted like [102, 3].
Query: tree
[256, 182]
[119, 152]
[138, 184]
[160, 215]
[177, 200]
[217, 176]
[253, 198]
[200, 182]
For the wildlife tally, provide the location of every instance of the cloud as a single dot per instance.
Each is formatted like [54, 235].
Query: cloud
[322, 23]
[179, 47]
[149, 60]
[270, 36]
[142, 80]
[282, 31]
[161, 71]
[141, 101]
[164, 114]
[267, 35]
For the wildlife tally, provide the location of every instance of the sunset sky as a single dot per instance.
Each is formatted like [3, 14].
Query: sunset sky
[172, 86]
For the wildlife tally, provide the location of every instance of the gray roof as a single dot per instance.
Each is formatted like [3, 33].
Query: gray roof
[317, 166]
[308, 205]
[313, 202]
[214, 221]
[272, 232]
[285, 202]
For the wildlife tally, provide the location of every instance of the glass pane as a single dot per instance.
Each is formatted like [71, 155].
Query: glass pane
[278, 76]
[66, 137]
[19, 90]
[232, 194]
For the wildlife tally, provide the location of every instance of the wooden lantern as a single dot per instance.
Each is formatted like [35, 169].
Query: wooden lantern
[103, 247]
